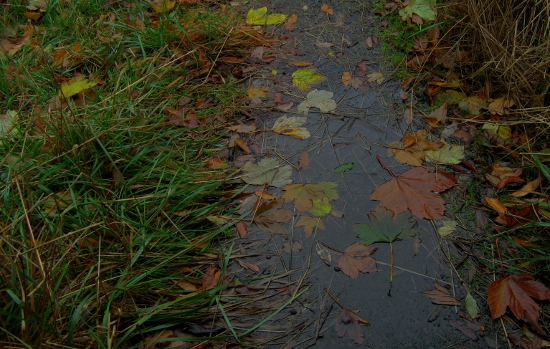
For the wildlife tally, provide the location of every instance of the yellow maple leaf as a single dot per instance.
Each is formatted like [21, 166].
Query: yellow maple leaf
[260, 17]
[302, 79]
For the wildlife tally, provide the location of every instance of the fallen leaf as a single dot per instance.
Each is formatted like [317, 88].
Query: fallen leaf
[210, 278]
[304, 161]
[309, 224]
[242, 144]
[346, 77]
[296, 246]
[289, 24]
[323, 253]
[496, 205]
[74, 86]
[264, 195]
[471, 305]
[527, 188]
[505, 132]
[448, 154]
[320, 99]
[384, 227]
[249, 266]
[271, 215]
[301, 63]
[414, 190]
[440, 295]
[258, 53]
[422, 8]
[378, 77]
[447, 228]
[517, 216]
[216, 163]
[323, 44]
[440, 113]
[499, 105]
[186, 286]
[516, 292]
[241, 229]
[320, 207]
[302, 79]
[370, 42]
[161, 6]
[349, 322]
[304, 194]
[472, 105]
[268, 171]
[327, 9]
[260, 17]
[356, 259]
[345, 167]
[291, 126]
[257, 92]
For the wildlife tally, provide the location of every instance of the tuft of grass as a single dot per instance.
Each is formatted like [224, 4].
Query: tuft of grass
[105, 203]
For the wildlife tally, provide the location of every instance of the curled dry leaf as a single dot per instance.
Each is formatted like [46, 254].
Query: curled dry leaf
[527, 188]
[496, 205]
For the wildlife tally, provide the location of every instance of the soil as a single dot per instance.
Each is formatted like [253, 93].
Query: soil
[364, 122]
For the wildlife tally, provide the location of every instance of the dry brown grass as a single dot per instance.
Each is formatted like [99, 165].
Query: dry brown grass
[510, 45]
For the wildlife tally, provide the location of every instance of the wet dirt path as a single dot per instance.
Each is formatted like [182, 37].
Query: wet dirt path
[365, 120]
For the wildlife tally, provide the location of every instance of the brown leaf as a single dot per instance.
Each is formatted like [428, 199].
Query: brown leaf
[496, 205]
[242, 144]
[463, 327]
[414, 191]
[362, 67]
[309, 224]
[327, 9]
[216, 163]
[210, 278]
[516, 292]
[440, 295]
[527, 188]
[323, 44]
[369, 42]
[187, 286]
[264, 195]
[289, 24]
[516, 216]
[510, 180]
[356, 259]
[258, 53]
[231, 60]
[346, 77]
[241, 229]
[348, 321]
[440, 113]
[301, 63]
[249, 266]
[304, 161]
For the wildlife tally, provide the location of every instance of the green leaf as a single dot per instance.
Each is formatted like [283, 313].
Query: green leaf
[302, 79]
[260, 17]
[543, 168]
[471, 305]
[267, 171]
[423, 8]
[318, 99]
[383, 227]
[448, 154]
[344, 167]
[447, 228]
[320, 207]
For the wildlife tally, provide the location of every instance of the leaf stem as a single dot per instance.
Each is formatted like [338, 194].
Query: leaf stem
[330, 247]
[383, 164]
[334, 298]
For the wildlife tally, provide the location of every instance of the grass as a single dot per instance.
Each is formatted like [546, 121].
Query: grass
[104, 202]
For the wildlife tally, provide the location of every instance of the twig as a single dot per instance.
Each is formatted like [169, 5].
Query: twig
[334, 299]
[383, 164]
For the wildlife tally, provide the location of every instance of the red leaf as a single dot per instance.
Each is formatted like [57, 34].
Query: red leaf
[210, 278]
[508, 181]
[241, 229]
[516, 292]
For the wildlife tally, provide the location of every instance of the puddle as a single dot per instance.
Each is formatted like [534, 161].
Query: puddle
[364, 121]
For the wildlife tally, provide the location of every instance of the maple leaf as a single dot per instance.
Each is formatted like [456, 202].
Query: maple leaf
[422, 8]
[302, 79]
[349, 322]
[383, 227]
[378, 77]
[448, 154]
[269, 217]
[414, 191]
[356, 259]
[267, 172]
[516, 292]
[304, 194]
[260, 17]
[318, 99]
[309, 224]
